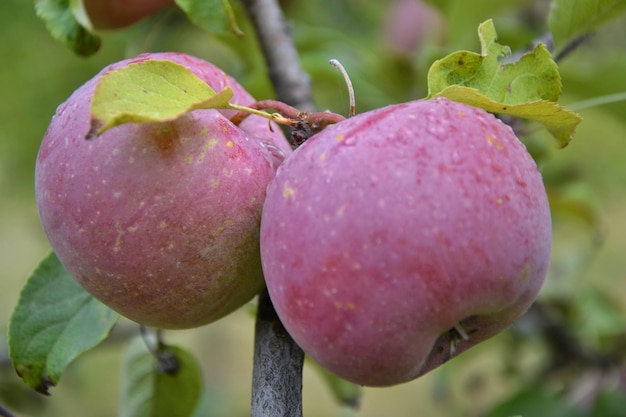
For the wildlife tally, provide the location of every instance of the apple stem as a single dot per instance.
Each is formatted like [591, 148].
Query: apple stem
[245, 111]
[5, 413]
[454, 334]
[284, 114]
[166, 361]
[335, 63]
[461, 331]
[304, 124]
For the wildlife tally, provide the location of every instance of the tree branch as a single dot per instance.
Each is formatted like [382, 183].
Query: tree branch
[277, 370]
[291, 83]
[278, 360]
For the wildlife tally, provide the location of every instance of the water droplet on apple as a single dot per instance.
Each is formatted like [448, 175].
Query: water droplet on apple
[272, 153]
[350, 140]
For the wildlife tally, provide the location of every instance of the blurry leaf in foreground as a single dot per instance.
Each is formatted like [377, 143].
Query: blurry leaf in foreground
[150, 392]
[568, 19]
[54, 321]
[64, 27]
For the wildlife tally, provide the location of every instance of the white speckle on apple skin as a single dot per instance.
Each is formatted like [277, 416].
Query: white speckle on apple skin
[166, 243]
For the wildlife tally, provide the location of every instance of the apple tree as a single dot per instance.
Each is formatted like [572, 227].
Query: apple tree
[372, 244]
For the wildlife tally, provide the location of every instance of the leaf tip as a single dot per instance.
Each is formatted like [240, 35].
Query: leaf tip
[41, 385]
[44, 385]
[563, 143]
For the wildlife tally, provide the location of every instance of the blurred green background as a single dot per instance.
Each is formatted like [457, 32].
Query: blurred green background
[387, 60]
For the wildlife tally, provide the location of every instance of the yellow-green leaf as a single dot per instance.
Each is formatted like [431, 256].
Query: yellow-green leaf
[150, 91]
[527, 88]
[534, 76]
[559, 121]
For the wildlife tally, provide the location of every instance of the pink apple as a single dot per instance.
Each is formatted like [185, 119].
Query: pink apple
[401, 237]
[159, 221]
[412, 24]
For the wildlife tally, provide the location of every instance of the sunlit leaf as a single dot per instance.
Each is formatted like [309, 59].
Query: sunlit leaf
[568, 18]
[527, 88]
[150, 91]
[214, 16]
[54, 321]
[150, 392]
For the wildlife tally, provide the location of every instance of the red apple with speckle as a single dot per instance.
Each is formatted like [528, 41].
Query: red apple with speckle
[160, 221]
[399, 238]
[115, 14]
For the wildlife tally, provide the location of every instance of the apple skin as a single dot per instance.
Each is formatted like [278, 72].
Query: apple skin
[116, 14]
[159, 221]
[383, 232]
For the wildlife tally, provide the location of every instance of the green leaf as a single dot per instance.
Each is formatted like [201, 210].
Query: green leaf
[214, 16]
[560, 122]
[535, 76]
[148, 392]
[610, 404]
[150, 91]
[571, 18]
[599, 316]
[345, 392]
[534, 402]
[54, 321]
[64, 27]
[527, 88]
